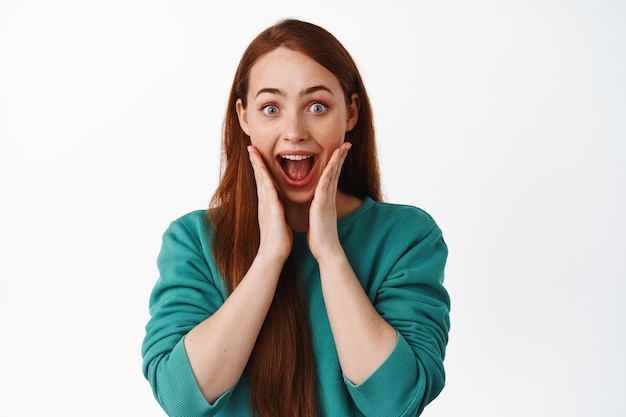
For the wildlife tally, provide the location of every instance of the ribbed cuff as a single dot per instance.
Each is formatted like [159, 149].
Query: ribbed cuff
[390, 389]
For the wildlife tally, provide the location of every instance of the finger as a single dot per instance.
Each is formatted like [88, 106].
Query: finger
[256, 168]
[253, 161]
[343, 153]
[330, 176]
[256, 159]
[264, 180]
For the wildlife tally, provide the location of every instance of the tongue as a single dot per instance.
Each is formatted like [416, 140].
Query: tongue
[297, 170]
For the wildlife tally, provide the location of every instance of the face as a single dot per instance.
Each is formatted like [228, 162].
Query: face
[296, 116]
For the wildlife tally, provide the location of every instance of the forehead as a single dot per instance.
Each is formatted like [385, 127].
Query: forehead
[290, 70]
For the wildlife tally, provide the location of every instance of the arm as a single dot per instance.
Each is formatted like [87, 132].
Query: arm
[188, 307]
[219, 348]
[390, 343]
[362, 337]
[413, 301]
[187, 292]
[198, 342]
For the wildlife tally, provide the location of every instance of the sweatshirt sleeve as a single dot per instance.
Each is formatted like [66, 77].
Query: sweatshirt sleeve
[186, 293]
[413, 300]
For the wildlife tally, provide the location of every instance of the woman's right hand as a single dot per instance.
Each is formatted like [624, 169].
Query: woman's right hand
[276, 235]
[219, 348]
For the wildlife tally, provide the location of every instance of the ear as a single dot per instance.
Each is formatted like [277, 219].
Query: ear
[242, 116]
[353, 111]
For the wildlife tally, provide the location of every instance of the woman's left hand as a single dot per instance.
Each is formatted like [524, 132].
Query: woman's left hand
[322, 237]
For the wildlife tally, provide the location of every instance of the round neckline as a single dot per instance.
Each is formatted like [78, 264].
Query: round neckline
[364, 207]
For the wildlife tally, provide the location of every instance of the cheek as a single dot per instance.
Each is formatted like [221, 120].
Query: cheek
[334, 134]
[258, 137]
[264, 146]
[262, 130]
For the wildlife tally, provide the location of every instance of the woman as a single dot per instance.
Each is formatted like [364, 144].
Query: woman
[298, 293]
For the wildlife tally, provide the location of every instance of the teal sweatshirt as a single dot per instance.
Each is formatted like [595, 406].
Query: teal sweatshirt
[398, 254]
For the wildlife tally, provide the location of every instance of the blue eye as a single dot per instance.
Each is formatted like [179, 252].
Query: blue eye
[318, 108]
[270, 110]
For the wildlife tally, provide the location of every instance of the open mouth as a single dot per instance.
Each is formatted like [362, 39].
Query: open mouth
[297, 167]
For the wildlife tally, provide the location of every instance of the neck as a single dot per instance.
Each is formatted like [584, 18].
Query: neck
[297, 215]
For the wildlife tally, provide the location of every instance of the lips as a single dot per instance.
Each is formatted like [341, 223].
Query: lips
[297, 167]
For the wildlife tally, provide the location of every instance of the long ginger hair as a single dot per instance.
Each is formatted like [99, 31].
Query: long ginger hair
[281, 367]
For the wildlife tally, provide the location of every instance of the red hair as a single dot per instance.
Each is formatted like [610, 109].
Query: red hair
[282, 367]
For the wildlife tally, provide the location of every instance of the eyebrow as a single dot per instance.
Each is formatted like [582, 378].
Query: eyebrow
[303, 93]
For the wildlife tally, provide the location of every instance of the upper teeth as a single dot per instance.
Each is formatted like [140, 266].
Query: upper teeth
[296, 157]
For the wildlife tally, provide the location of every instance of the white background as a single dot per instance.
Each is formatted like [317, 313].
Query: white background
[506, 120]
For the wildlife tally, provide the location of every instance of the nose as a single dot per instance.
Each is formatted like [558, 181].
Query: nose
[295, 129]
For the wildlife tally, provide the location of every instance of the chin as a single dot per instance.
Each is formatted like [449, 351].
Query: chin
[298, 197]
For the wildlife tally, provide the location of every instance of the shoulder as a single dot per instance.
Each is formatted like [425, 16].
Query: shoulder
[194, 220]
[404, 211]
[186, 243]
[401, 217]
[191, 227]
[387, 227]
